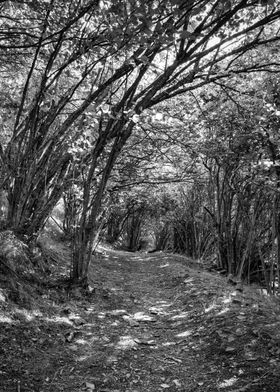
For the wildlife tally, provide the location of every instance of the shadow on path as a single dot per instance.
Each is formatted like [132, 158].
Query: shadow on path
[155, 322]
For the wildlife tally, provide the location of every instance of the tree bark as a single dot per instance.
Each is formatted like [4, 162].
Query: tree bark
[87, 230]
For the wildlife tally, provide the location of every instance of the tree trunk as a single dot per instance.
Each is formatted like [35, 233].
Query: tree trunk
[87, 230]
[32, 198]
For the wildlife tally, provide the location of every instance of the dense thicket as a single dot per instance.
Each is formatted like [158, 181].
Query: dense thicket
[226, 207]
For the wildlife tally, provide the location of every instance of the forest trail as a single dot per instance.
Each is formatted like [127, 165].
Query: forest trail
[154, 322]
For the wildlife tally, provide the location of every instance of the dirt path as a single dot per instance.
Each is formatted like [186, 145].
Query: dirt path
[154, 323]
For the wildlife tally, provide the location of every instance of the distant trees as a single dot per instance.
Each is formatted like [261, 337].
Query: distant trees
[80, 76]
[241, 157]
[230, 208]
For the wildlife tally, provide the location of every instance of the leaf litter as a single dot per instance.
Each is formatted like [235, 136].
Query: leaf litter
[151, 323]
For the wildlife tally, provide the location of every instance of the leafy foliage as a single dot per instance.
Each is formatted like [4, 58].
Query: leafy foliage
[87, 72]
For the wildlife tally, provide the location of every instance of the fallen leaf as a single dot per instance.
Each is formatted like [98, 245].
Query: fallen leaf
[230, 349]
[78, 321]
[164, 386]
[133, 323]
[239, 332]
[177, 383]
[174, 359]
[145, 342]
[69, 336]
[90, 386]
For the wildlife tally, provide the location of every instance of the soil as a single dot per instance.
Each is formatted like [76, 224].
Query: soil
[152, 322]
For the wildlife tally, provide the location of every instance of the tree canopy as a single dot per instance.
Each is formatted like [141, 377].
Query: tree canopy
[86, 90]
